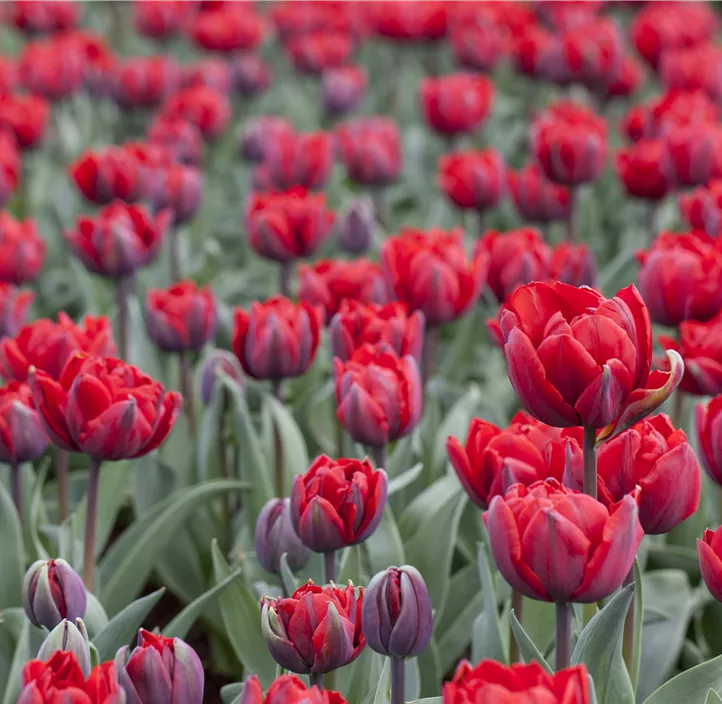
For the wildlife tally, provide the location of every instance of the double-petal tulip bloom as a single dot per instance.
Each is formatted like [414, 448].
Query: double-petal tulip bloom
[287, 689]
[693, 153]
[276, 339]
[52, 68]
[53, 591]
[202, 106]
[22, 437]
[370, 149]
[14, 304]
[577, 358]
[645, 169]
[430, 272]
[490, 682]
[702, 208]
[314, 52]
[709, 552]
[43, 17]
[180, 137]
[113, 173]
[457, 103]
[179, 188]
[337, 503]
[316, 630]
[536, 198]
[300, 159]
[473, 180]
[160, 19]
[22, 250]
[554, 544]
[104, 408]
[145, 81]
[708, 420]
[227, 29]
[379, 395]
[26, 118]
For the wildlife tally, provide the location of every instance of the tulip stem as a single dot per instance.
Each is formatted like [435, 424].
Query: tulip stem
[379, 201]
[431, 339]
[572, 225]
[652, 214]
[329, 567]
[187, 391]
[517, 606]
[481, 223]
[590, 462]
[678, 411]
[316, 679]
[285, 283]
[61, 470]
[123, 286]
[398, 681]
[174, 245]
[379, 455]
[629, 630]
[564, 635]
[223, 464]
[17, 489]
[277, 389]
[91, 515]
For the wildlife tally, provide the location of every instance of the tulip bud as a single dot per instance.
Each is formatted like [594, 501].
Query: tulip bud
[275, 536]
[69, 637]
[53, 591]
[356, 225]
[342, 89]
[396, 614]
[218, 361]
[250, 75]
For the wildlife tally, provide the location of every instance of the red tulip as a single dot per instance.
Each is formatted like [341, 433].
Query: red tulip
[298, 159]
[25, 117]
[22, 438]
[681, 278]
[709, 553]
[625, 82]
[98, 59]
[491, 682]
[145, 81]
[120, 240]
[457, 103]
[370, 149]
[259, 133]
[211, 71]
[231, 27]
[479, 47]
[516, 257]
[709, 435]
[14, 304]
[592, 50]
[44, 16]
[379, 396]
[337, 503]
[577, 358]
[573, 264]
[538, 54]
[180, 137]
[178, 188]
[22, 250]
[287, 689]
[694, 68]
[104, 408]
[396, 19]
[702, 208]
[161, 19]
[316, 630]
[113, 173]
[276, 339]
[314, 53]
[646, 170]
[474, 179]
[292, 19]
[250, 75]
[430, 272]
[52, 68]
[554, 544]
[695, 152]
[204, 107]
[342, 89]
[536, 198]
[10, 167]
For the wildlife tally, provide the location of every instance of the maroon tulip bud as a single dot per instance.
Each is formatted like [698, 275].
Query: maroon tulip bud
[536, 198]
[356, 225]
[275, 536]
[250, 75]
[53, 591]
[370, 149]
[218, 361]
[708, 420]
[258, 133]
[178, 188]
[22, 437]
[14, 304]
[396, 614]
[68, 637]
[160, 671]
[180, 137]
[709, 552]
[573, 264]
[342, 89]
[22, 250]
[145, 81]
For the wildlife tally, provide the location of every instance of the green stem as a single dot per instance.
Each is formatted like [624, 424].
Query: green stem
[91, 516]
[564, 635]
[277, 388]
[316, 680]
[17, 489]
[629, 631]
[61, 470]
[186, 385]
[329, 567]
[380, 457]
[431, 341]
[590, 462]
[517, 606]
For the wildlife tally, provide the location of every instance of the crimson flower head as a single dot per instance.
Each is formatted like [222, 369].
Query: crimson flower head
[160, 19]
[625, 82]
[592, 50]
[22, 437]
[145, 81]
[260, 132]
[44, 16]
[554, 544]
[342, 89]
[288, 225]
[430, 272]
[47, 345]
[570, 143]
[680, 278]
[479, 47]
[182, 317]
[52, 68]
[298, 159]
[277, 339]
[370, 149]
[709, 553]
[113, 173]
[457, 103]
[702, 208]
[98, 59]
[26, 117]
[204, 107]
[577, 358]
[182, 138]
[22, 250]
[708, 420]
[211, 71]
[315, 52]
[104, 408]
[573, 264]
[490, 681]
[14, 304]
[694, 153]
[231, 27]
[180, 189]
[397, 20]
[287, 689]
[10, 167]
[379, 395]
[250, 75]
[536, 198]
[693, 68]
[538, 53]
[645, 169]
[119, 240]
[474, 180]
[316, 630]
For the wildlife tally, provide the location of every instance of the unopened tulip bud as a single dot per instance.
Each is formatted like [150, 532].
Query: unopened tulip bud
[356, 225]
[275, 536]
[218, 361]
[342, 89]
[396, 616]
[69, 637]
[53, 591]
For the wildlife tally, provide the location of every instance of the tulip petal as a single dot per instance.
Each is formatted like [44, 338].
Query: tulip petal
[460, 462]
[374, 509]
[599, 405]
[568, 366]
[150, 677]
[51, 402]
[710, 565]
[282, 649]
[321, 528]
[406, 630]
[332, 642]
[170, 409]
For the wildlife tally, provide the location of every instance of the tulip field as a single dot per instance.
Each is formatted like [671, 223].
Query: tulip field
[361, 352]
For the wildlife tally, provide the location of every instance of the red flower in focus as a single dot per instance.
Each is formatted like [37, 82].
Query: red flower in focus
[536, 198]
[473, 179]
[211, 71]
[489, 681]
[276, 339]
[58, 679]
[161, 19]
[22, 250]
[379, 396]
[573, 264]
[113, 173]
[52, 68]
[329, 282]
[22, 438]
[145, 81]
[702, 208]
[119, 240]
[178, 188]
[43, 16]
[104, 408]
[457, 103]
[693, 69]
[231, 27]
[47, 345]
[14, 304]
[430, 272]
[25, 117]
[370, 149]
[515, 258]
[343, 89]
[288, 225]
[709, 553]
[337, 503]
[250, 75]
[681, 278]
[182, 138]
[645, 169]
[314, 53]
[298, 159]
[203, 107]
[401, 21]
[570, 143]
[287, 689]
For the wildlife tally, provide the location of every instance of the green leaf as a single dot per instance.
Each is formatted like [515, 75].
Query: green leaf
[182, 623]
[405, 478]
[638, 605]
[37, 515]
[379, 693]
[21, 655]
[430, 669]
[528, 650]
[95, 617]
[121, 629]
[487, 640]
[231, 692]
[713, 698]
[690, 686]
[356, 680]
[456, 423]
[599, 647]
[242, 618]
[384, 548]
[287, 578]
[12, 552]
[401, 457]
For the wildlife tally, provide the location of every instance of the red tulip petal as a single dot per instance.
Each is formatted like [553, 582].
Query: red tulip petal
[568, 366]
[710, 565]
[170, 409]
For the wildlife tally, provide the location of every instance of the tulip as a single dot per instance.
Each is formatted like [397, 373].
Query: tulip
[287, 689]
[14, 304]
[212, 71]
[314, 52]
[709, 436]
[182, 138]
[204, 107]
[275, 536]
[709, 553]
[457, 103]
[26, 118]
[342, 89]
[538, 54]
[316, 630]
[44, 17]
[692, 69]
[573, 264]
[218, 361]
[370, 149]
[356, 226]
[625, 82]
[259, 133]
[52, 68]
[702, 208]
[22, 250]
[160, 671]
[227, 29]
[10, 167]
[114, 173]
[145, 81]
[645, 169]
[179, 188]
[592, 50]
[70, 637]
[160, 19]
[537, 199]
[402, 22]
[301, 159]
[693, 151]
[478, 47]
[53, 591]
[22, 438]
[250, 75]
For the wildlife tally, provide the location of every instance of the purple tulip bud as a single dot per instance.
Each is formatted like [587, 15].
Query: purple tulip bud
[342, 89]
[396, 613]
[251, 75]
[275, 536]
[70, 637]
[257, 133]
[53, 591]
[356, 225]
[218, 361]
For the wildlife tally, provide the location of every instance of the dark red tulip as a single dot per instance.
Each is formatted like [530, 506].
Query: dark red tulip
[709, 553]
[680, 278]
[694, 153]
[204, 107]
[276, 339]
[537, 53]
[119, 240]
[53, 591]
[474, 180]
[219, 361]
[161, 19]
[10, 167]
[536, 198]
[379, 396]
[52, 68]
[708, 420]
[103, 407]
[260, 132]
[370, 149]
[292, 19]
[479, 47]
[44, 16]
[456, 104]
[337, 503]
[182, 138]
[573, 264]
[25, 117]
[287, 689]
[694, 68]
[592, 50]
[113, 173]
[14, 304]
[399, 21]
[178, 188]
[342, 89]
[22, 250]
[430, 272]
[250, 75]
[314, 53]
[645, 169]
[569, 13]
[702, 208]
[625, 82]
[145, 81]
[298, 159]
[554, 544]
[182, 317]
[231, 27]
[577, 358]
[22, 438]
[275, 537]
[516, 257]
[98, 59]
[211, 71]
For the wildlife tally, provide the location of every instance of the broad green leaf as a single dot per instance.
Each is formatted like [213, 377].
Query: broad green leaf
[287, 578]
[356, 680]
[713, 698]
[456, 423]
[95, 617]
[430, 669]
[21, 655]
[528, 650]
[638, 605]
[404, 479]
[295, 454]
[412, 679]
[11, 551]
[379, 692]
[122, 628]
[231, 692]
[487, 640]
[690, 686]
[384, 548]
[401, 457]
